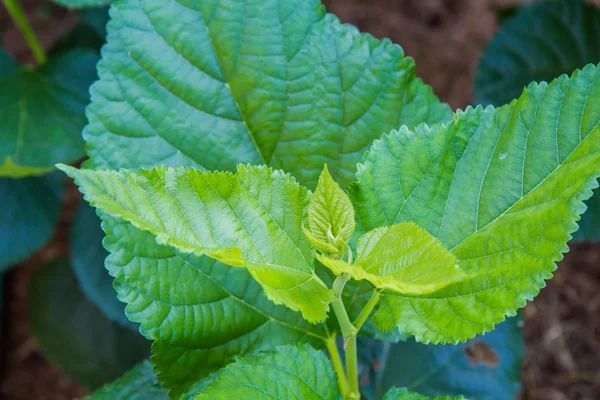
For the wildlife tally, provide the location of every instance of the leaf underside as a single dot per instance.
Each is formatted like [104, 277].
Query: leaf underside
[502, 189]
[42, 112]
[404, 394]
[215, 83]
[402, 258]
[543, 41]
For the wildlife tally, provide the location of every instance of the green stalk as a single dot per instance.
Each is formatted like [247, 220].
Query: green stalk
[336, 360]
[17, 14]
[349, 335]
[364, 314]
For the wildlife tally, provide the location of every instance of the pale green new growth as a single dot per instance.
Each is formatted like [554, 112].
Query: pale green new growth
[250, 219]
[403, 258]
[289, 373]
[330, 217]
[502, 189]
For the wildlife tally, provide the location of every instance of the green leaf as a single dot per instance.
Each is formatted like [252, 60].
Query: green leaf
[216, 83]
[485, 368]
[42, 112]
[502, 189]
[201, 313]
[250, 219]
[404, 394]
[137, 384]
[87, 257]
[289, 373]
[402, 258]
[541, 42]
[74, 334]
[82, 3]
[29, 214]
[330, 216]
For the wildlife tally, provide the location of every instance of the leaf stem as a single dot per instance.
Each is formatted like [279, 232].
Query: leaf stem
[349, 335]
[17, 14]
[366, 311]
[336, 360]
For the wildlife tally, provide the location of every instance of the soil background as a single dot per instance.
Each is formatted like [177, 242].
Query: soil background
[446, 38]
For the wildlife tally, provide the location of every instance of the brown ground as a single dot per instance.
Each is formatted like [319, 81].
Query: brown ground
[446, 37]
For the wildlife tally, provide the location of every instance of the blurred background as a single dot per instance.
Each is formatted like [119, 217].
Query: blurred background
[447, 39]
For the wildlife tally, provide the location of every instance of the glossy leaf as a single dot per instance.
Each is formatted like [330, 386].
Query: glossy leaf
[87, 257]
[402, 258]
[29, 211]
[82, 3]
[502, 189]
[485, 368]
[289, 373]
[330, 216]
[42, 112]
[84, 344]
[215, 83]
[541, 42]
[137, 384]
[403, 394]
[250, 219]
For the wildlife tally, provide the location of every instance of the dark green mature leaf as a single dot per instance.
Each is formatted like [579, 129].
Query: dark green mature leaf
[137, 384]
[201, 313]
[74, 334]
[251, 219]
[485, 368]
[29, 212]
[502, 189]
[404, 394]
[540, 43]
[289, 373]
[216, 83]
[42, 112]
[82, 3]
[87, 257]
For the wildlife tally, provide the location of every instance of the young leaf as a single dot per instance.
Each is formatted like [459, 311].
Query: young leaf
[87, 258]
[30, 210]
[330, 216]
[502, 189]
[250, 219]
[215, 83]
[404, 394]
[403, 258]
[42, 112]
[137, 384]
[289, 373]
[484, 368]
[76, 4]
[74, 334]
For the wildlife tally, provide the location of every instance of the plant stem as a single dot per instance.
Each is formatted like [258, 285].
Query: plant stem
[17, 14]
[336, 360]
[349, 334]
[364, 314]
